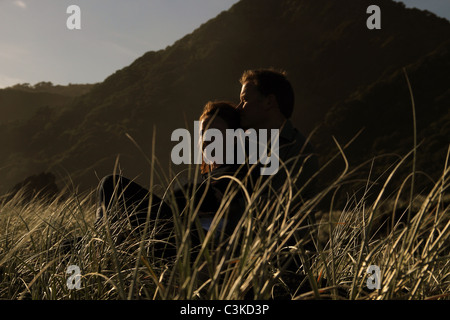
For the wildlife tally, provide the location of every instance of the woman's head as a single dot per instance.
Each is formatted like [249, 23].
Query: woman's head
[219, 115]
[223, 110]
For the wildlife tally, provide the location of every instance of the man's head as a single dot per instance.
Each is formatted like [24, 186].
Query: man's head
[266, 97]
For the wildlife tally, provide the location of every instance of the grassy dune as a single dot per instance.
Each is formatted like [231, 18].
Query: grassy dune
[406, 236]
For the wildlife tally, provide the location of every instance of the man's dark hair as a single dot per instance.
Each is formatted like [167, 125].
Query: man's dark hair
[271, 81]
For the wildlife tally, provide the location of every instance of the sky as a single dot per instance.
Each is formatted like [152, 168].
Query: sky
[36, 45]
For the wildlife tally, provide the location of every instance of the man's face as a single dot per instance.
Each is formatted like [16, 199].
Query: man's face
[251, 107]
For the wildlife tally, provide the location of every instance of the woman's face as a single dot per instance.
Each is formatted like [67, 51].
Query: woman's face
[216, 123]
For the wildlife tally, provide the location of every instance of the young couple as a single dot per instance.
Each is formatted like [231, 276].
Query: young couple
[266, 102]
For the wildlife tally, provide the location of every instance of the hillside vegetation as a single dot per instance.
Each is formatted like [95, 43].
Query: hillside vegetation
[328, 52]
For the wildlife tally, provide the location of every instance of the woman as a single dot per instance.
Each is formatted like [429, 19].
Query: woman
[221, 116]
[123, 201]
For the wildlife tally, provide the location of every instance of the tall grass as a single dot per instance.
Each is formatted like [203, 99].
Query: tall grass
[39, 240]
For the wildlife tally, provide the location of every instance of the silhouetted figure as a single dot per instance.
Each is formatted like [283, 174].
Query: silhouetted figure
[124, 204]
[266, 102]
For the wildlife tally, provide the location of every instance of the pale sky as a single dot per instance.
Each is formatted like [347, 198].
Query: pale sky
[35, 44]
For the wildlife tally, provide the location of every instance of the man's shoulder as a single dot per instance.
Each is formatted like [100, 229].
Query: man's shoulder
[293, 141]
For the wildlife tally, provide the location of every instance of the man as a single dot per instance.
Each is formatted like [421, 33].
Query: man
[267, 102]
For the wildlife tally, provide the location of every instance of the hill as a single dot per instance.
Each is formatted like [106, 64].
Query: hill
[20, 102]
[383, 113]
[325, 46]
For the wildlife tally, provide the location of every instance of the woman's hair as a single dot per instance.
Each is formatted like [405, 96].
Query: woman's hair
[220, 109]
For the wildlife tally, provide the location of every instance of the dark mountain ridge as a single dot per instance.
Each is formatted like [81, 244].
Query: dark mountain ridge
[384, 112]
[325, 47]
[18, 103]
